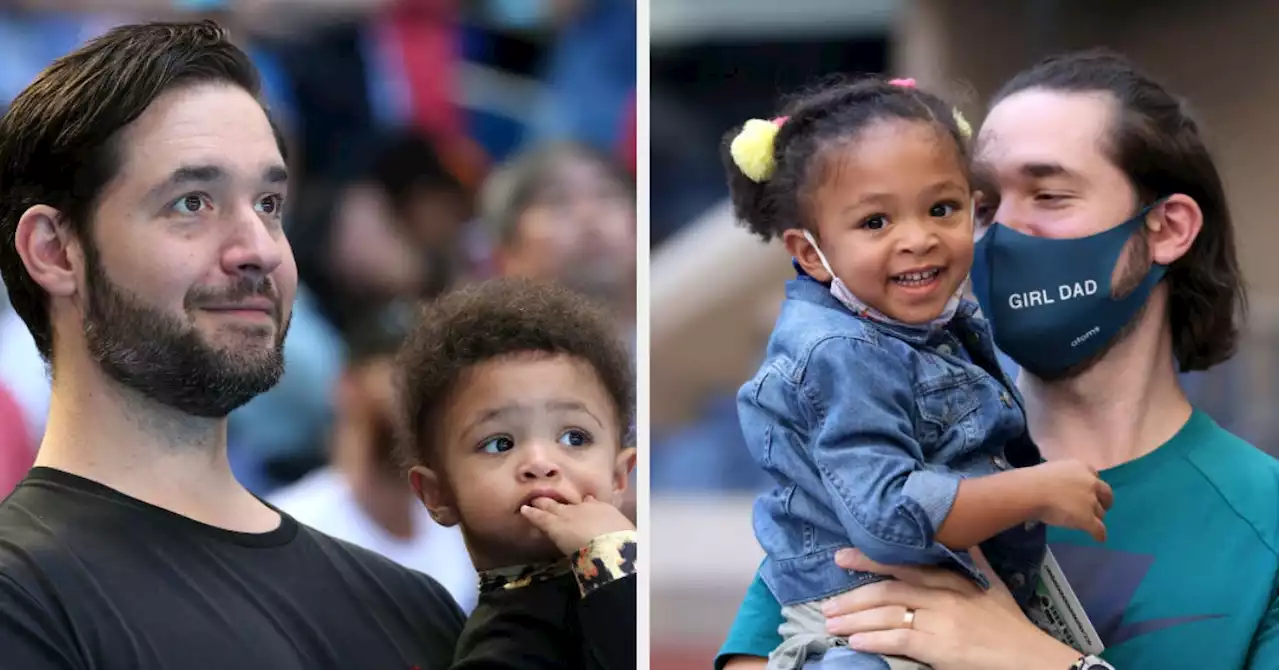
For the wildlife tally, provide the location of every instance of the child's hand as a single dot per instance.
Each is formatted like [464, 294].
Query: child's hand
[1073, 497]
[571, 527]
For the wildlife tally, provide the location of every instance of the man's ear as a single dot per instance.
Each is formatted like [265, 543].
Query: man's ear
[1172, 227]
[49, 250]
[434, 494]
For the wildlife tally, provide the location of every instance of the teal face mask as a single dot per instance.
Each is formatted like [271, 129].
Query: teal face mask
[1049, 300]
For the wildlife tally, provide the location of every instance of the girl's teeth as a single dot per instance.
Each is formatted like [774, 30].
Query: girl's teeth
[911, 277]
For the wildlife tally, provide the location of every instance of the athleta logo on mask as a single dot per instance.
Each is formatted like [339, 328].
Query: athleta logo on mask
[1050, 301]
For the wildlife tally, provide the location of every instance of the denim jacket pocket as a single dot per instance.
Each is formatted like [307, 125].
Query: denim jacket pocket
[943, 405]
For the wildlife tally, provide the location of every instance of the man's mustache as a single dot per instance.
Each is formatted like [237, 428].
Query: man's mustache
[243, 289]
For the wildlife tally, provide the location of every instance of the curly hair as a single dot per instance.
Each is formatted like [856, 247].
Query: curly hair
[494, 319]
[832, 113]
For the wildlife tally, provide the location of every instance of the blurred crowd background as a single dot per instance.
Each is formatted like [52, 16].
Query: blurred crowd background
[432, 142]
[715, 290]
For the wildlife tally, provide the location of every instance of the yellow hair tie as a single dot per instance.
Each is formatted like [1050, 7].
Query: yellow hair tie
[966, 131]
[752, 149]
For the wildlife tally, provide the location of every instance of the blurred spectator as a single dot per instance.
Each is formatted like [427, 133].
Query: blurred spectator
[362, 496]
[566, 212]
[430, 202]
[591, 72]
[329, 78]
[385, 228]
[17, 451]
[22, 372]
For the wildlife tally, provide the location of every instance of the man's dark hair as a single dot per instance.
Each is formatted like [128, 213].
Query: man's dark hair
[495, 319]
[59, 139]
[1157, 144]
[834, 111]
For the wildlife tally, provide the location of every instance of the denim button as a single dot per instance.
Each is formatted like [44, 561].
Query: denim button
[944, 349]
[1000, 462]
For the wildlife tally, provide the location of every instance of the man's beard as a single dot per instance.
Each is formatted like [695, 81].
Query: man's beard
[163, 359]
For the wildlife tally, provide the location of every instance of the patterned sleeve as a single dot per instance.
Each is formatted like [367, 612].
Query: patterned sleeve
[605, 559]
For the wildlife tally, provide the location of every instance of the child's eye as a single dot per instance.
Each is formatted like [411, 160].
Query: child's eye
[875, 222]
[943, 210]
[575, 438]
[497, 445]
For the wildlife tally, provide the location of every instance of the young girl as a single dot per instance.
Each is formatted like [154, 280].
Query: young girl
[880, 409]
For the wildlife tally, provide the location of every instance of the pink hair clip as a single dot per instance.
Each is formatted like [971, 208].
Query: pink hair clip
[905, 83]
[780, 120]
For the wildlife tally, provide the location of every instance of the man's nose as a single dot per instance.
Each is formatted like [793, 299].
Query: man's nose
[254, 249]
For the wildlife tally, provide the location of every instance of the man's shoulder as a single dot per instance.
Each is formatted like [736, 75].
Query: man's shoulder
[393, 580]
[39, 560]
[36, 526]
[1244, 477]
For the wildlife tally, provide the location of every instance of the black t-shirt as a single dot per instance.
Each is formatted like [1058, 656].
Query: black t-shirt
[93, 579]
[550, 626]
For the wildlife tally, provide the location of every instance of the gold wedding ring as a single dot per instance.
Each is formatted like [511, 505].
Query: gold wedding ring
[908, 618]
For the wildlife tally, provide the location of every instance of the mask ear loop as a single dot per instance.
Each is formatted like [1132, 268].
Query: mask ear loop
[823, 259]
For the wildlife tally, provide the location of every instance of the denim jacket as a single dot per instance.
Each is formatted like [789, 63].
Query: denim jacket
[867, 429]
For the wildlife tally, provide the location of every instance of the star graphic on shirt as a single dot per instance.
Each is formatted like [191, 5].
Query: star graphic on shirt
[1105, 581]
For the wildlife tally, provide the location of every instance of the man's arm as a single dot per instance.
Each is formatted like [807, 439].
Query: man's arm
[754, 633]
[30, 638]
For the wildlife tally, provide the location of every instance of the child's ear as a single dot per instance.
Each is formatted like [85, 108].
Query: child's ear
[805, 253]
[622, 467]
[435, 496]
